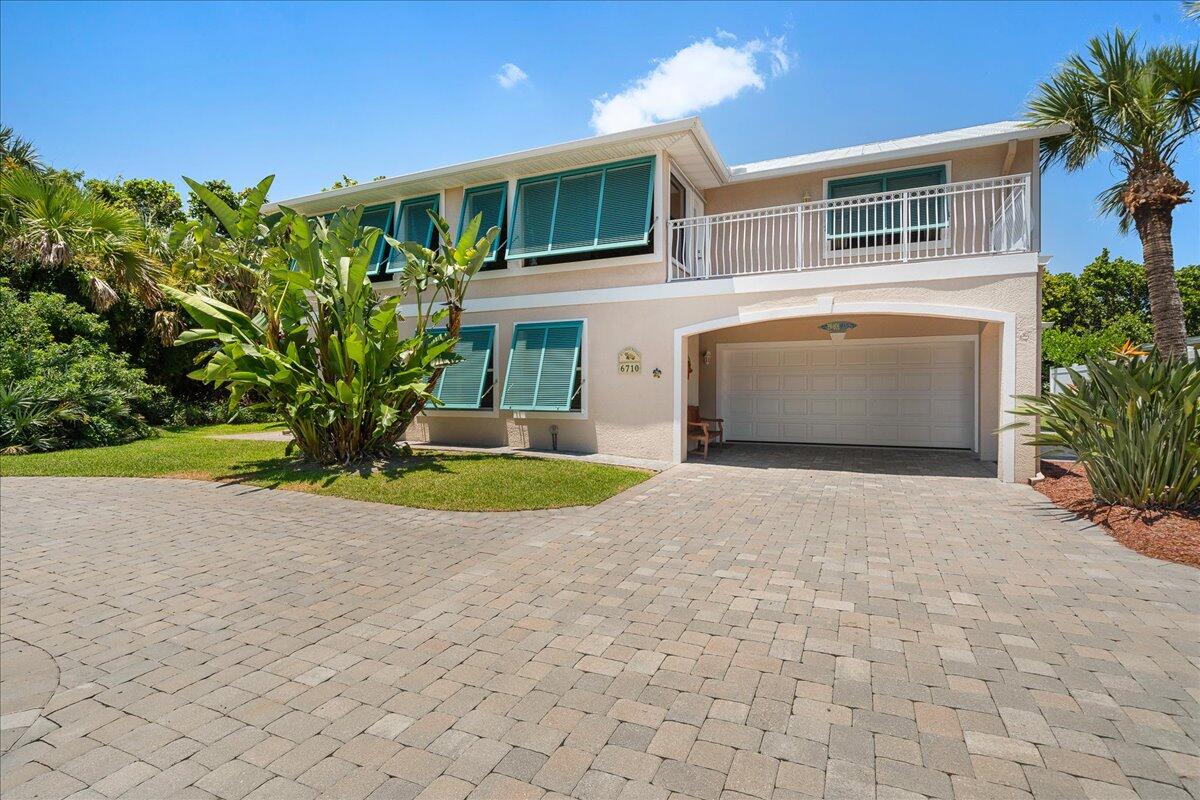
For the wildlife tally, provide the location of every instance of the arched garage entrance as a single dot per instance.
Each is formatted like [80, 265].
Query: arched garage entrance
[967, 356]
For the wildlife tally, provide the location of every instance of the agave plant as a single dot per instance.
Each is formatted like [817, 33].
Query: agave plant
[325, 352]
[1134, 423]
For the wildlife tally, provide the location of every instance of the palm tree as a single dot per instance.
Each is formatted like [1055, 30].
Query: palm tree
[17, 153]
[63, 227]
[1139, 108]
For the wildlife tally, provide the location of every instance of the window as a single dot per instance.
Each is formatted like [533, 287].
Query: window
[488, 202]
[544, 367]
[876, 224]
[414, 225]
[585, 210]
[467, 385]
[379, 216]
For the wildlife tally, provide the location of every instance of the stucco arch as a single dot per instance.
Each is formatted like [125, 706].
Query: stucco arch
[1006, 453]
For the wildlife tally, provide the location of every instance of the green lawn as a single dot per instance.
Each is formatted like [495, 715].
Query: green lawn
[452, 481]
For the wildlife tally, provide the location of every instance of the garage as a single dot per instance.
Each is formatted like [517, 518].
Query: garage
[916, 392]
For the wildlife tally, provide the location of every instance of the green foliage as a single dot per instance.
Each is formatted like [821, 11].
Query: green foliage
[346, 180]
[17, 153]
[196, 206]
[63, 228]
[324, 352]
[1134, 422]
[1103, 307]
[62, 386]
[1138, 107]
[157, 202]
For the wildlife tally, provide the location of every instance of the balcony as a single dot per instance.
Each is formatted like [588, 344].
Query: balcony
[952, 220]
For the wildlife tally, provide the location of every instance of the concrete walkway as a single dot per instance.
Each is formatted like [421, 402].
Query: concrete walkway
[842, 630]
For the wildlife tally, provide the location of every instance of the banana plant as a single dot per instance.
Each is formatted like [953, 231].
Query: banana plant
[323, 350]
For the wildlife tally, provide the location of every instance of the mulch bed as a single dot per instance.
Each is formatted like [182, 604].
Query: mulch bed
[1169, 535]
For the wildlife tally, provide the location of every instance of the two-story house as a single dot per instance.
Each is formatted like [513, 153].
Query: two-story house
[882, 294]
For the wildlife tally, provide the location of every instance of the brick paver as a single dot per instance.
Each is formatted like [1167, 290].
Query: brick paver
[778, 622]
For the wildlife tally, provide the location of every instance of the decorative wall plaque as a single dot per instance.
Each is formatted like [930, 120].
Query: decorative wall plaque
[629, 361]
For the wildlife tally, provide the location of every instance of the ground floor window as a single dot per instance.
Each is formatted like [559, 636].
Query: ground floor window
[545, 367]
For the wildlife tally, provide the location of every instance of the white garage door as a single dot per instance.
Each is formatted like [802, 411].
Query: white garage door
[908, 393]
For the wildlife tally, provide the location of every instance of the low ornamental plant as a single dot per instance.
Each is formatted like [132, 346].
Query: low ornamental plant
[324, 352]
[1133, 421]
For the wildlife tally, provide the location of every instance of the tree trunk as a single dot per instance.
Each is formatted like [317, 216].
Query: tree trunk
[1166, 309]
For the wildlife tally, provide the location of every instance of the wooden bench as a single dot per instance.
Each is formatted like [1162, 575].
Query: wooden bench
[704, 431]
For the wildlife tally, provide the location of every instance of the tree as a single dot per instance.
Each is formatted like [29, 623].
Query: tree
[325, 352]
[17, 153]
[65, 228]
[346, 180]
[1139, 108]
[196, 207]
[157, 202]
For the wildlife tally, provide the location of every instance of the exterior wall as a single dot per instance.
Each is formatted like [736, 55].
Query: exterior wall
[636, 415]
[989, 391]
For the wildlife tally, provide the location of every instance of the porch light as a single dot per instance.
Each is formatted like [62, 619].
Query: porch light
[707, 357]
[837, 329]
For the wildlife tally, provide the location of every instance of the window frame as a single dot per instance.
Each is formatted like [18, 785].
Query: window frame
[831, 242]
[581, 368]
[398, 219]
[647, 239]
[494, 368]
[381, 270]
[494, 257]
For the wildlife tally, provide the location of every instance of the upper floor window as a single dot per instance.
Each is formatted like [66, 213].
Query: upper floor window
[601, 208]
[379, 216]
[489, 202]
[413, 224]
[886, 220]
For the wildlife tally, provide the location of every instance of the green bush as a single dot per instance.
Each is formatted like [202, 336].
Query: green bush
[1134, 423]
[62, 386]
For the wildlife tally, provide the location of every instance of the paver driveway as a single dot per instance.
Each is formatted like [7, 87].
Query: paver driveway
[848, 628]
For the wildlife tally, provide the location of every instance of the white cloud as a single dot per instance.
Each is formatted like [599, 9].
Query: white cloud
[510, 75]
[699, 76]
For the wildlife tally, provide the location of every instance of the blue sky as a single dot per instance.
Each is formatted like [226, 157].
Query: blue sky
[309, 90]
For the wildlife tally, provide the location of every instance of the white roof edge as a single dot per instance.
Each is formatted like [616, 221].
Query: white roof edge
[682, 126]
[958, 139]
[940, 142]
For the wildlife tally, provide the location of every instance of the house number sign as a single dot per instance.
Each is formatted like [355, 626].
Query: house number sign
[629, 361]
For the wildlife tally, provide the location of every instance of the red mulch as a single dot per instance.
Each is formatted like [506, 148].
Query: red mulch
[1169, 535]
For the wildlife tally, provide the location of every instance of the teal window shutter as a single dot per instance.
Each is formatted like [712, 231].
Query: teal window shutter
[379, 216]
[462, 385]
[583, 210]
[489, 203]
[414, 225]
[543, 366]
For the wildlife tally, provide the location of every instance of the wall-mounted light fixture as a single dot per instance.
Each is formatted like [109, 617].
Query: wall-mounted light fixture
[708, 356]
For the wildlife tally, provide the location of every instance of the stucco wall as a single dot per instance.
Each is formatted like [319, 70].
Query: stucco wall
[635, 415]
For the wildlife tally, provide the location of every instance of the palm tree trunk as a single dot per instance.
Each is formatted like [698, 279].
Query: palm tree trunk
[1166, 309]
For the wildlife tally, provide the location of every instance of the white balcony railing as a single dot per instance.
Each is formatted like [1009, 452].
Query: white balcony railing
[969, 218]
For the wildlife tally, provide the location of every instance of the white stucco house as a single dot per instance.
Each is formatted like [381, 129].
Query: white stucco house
[882, 294]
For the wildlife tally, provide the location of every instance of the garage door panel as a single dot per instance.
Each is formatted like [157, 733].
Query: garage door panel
[852, 383]
[911, 394]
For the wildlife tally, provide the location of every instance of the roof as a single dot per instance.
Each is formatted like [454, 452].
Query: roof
[685, 140]
[957, 139]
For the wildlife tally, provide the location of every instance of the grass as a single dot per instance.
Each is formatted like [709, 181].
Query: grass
[428, 479]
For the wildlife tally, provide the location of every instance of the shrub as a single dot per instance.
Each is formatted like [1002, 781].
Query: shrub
[62, 386]
[1134, 423]
[325, 352]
